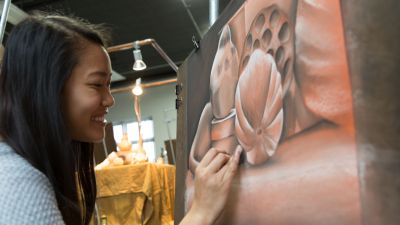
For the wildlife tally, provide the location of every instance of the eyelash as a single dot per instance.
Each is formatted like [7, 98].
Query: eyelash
[99, 85]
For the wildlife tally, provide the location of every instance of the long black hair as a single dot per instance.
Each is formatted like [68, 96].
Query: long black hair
[39, 57]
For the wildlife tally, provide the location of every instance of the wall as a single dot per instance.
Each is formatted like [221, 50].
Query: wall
[153, 102]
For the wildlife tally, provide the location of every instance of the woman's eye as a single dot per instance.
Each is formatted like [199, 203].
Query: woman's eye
[96, 85]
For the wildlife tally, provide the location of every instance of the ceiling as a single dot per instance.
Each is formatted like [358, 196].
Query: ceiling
[167, 21]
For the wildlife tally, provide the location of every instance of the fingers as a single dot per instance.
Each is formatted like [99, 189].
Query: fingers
[236, 157]
[229, 170]
[218, 162]
[209, 156]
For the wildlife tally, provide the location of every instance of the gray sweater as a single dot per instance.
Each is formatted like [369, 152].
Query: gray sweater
[26, 195]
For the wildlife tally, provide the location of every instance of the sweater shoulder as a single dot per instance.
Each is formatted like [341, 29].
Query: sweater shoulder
[26, 194]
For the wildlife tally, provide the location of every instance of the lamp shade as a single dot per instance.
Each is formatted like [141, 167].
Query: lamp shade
[139, 64]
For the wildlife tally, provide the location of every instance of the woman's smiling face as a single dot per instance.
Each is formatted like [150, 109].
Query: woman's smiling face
[86, 94]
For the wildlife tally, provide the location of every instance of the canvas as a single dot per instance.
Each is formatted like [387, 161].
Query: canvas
[273, 77]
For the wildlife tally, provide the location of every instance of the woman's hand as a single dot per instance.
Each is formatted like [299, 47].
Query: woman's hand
[213, 178]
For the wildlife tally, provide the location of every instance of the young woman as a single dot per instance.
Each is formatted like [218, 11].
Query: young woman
[54, 94]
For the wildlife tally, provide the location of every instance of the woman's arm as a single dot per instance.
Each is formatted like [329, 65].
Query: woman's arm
[213, 179]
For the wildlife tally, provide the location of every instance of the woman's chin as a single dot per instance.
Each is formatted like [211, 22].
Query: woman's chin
[97, 140]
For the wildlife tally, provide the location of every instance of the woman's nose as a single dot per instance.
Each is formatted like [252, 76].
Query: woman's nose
[108, 100]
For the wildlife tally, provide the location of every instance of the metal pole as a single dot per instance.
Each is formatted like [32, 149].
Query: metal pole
[192, 19]
[213, 14]
[148, 41]
[4, 16]
[148, 85]
[164, 55]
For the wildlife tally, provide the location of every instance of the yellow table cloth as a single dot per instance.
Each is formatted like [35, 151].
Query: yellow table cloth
[137, 194]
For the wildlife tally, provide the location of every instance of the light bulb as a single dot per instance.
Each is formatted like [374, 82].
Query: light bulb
[137, 89]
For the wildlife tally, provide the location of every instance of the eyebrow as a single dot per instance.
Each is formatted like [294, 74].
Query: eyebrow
[100, 73]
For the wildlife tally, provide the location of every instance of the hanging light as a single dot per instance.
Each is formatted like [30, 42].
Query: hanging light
[137, 89]
[139, 64]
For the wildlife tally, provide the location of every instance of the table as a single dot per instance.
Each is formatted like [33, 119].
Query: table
[137, 194]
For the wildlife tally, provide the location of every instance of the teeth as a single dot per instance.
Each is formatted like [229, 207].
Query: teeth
[99, 119]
